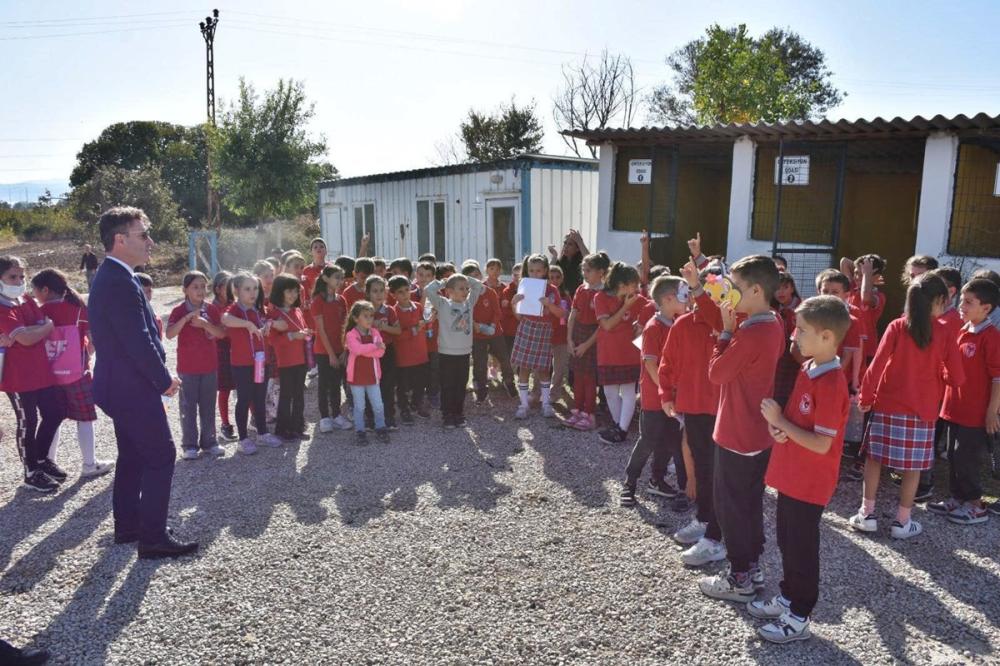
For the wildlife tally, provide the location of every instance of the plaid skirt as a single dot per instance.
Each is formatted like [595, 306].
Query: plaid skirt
[617, 374]
[226, 382]
[900, 441]
[78, 399]
[588, 361]
[532, 345]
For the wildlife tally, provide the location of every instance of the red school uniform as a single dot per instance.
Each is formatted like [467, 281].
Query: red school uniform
[26, 368]
[560, 326]
[819, 403]
[487, 311]
[743, 367]
[387, 315]
[869, 322]
[64, 313]
[583, 303]
[615, 347]
[507, 319]
[333, 312]
[352, 294]
[906, 380]
[289, 351]
[852, 342]
[952, 321]
[242, 343]
[654, 336]
[979, 348]
[684, 366]
[411, 344]
[310, 274]
[196, 349]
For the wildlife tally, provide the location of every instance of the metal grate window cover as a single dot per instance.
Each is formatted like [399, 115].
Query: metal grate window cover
[975, 210]
[804, 267]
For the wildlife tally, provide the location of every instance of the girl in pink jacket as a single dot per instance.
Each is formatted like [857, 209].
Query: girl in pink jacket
[364, 349]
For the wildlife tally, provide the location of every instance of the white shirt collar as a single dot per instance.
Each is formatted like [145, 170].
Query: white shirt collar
[130, 270]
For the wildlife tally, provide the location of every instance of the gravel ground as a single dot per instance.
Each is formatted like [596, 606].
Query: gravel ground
[499, 543]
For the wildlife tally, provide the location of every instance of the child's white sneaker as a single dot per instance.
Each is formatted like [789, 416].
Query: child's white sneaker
[271, 440]
[521, 413]
[786, 629]
[217, 451]
[99, 468]
[246, 447]
[547, 411]
[190, 454]
[727, 587]
[342, 423]
[911, 529]
[863, 523]
[690, 533]
[774, 607]
[703, 552]
[326, 424]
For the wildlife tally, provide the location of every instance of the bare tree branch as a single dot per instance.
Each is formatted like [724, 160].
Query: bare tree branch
[595, 97]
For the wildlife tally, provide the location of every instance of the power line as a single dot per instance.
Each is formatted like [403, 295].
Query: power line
[93, 18]
[164, 26]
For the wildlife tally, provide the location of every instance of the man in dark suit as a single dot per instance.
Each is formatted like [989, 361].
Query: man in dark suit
[129, 379]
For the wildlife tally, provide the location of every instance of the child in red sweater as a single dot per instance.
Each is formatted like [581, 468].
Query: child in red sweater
[289, 337]
[411, 351]
[743, 367]
[620, 317]
[386, 323]
[969, 412]
[805, 463]
[329, 314]
[903, 390]
[685, 390]
[487, 337]
[659, 434]
[581, 331]
[560, 346]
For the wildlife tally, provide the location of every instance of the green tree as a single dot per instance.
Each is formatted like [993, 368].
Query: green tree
[507, 132]
[144, 187]
[179, 151]
[729, 76]
[265, 161]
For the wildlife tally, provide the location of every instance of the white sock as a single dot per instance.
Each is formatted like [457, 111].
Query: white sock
[546, 393]
[614, 398]
[628, 406]
[522, 392]
[54, 447]
[85, 436]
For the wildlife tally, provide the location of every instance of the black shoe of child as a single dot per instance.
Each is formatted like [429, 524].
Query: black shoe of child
[361, 438]
[480, 397]
[406, 418]
[661, 488]
[856, 472]
[924, 493]
[612, 435]
[448, 422]
[460, 422]
[627, 496]
[302, 434]
[383, 435]
[994, 508]
[52, 470]
[390, 424]
[228, 433]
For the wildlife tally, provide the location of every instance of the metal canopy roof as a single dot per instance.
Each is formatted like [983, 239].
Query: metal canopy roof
[823, 129]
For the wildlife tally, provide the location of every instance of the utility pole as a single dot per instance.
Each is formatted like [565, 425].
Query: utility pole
[208, 27]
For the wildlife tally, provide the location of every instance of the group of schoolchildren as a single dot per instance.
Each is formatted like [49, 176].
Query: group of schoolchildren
[723, 398]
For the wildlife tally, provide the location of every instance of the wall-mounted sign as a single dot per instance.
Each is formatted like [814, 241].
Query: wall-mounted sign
[640, 172]
[794, 169]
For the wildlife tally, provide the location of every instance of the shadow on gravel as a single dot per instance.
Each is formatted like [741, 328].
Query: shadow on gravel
[97, 613]
[34, 565]
[26, 512]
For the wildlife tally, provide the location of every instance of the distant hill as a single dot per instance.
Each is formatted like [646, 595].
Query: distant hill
[32, 189]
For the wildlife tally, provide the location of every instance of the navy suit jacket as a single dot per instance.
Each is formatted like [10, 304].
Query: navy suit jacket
[130, 362]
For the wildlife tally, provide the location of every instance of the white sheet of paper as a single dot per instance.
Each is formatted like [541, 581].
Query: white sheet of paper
[533, 289]
[638, 342]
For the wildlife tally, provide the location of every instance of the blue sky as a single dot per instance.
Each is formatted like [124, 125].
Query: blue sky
[392, 78]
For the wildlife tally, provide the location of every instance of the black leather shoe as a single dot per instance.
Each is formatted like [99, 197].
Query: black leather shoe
[169, 547]
[133, 537]
[26, 657]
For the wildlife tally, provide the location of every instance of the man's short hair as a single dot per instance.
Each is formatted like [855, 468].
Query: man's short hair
[759, 269]
[826, 313]
[116, 221]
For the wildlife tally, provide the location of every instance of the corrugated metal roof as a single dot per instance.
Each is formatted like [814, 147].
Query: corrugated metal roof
[519, 162]
[824, 129]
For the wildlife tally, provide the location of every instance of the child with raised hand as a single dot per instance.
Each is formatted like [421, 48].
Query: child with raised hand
[387, 323]
[364, 349]
[686, 391]
[581, 331]
[487, 338]
[223, 293]
[532, 349]
[455, 323]
[743, 366]
[659, 434]
[805, 463]
[619, 310]
[247, 329]
[197, 324]
[560, 337]
[355, 290]
[27, 378]
[60, 303]
[289, 336]
[903, 390]
[411, 350]
[329, 313]
[970, 411]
